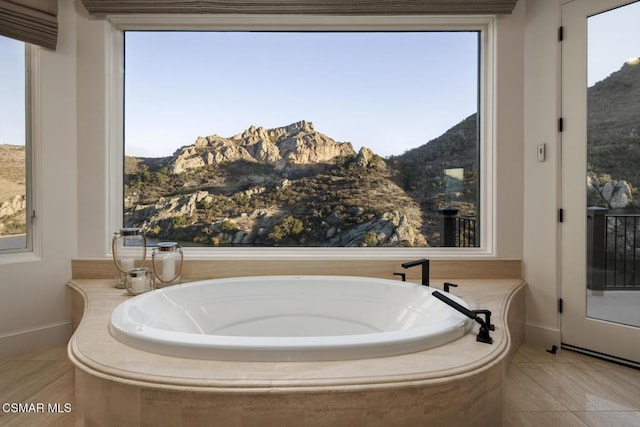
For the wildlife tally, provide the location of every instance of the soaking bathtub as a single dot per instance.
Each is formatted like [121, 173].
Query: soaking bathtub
[458, 383]
[288, 318]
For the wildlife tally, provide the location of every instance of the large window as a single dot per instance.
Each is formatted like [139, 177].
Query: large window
[316, 139]
[14, 148]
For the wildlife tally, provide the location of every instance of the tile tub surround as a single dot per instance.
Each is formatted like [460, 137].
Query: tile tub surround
[456, 384]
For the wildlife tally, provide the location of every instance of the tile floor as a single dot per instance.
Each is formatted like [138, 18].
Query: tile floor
[43, 377]
[569, 389]
[541, 389]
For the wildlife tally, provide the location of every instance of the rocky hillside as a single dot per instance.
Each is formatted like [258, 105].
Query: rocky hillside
[613, 135]
[297, 143]
[12, 190]
[421, 173]
[284, 186]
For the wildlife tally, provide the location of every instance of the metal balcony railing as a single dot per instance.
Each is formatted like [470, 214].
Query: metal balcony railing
[613, 250]
[458, 230]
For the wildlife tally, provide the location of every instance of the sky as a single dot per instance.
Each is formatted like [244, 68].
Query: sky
[613, 38]
[12, 92]
[387, 91]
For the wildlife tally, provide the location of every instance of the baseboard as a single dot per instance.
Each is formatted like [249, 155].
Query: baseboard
[37, 338]
[541, 335]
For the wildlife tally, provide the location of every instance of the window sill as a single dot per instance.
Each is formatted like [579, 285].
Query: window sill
[18, 257]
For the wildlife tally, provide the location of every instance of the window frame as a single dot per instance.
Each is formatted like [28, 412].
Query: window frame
[485, 25]
[31, 111]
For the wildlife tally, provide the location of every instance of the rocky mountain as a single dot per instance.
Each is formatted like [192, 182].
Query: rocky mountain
[12, 190]
[297, 143]
[295, 185]
[421, 169]
[441, 173]
[284, 186]
[613, 137]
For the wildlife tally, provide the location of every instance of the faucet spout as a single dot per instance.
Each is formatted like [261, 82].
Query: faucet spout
[425, 268]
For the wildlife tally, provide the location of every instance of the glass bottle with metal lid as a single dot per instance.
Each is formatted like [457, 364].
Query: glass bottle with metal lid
[166, 261]
[129, 251]
[138, 281]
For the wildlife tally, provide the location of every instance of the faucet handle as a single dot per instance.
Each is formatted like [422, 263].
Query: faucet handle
[487, 315]
[403, 276]
[448, 285]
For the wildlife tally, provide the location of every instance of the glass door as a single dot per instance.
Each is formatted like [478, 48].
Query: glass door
[600, 235]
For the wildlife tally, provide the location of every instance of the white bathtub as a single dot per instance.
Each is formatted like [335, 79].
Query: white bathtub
[288, 318]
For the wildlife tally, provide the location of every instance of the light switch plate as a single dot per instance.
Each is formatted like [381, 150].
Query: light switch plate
[541, 152]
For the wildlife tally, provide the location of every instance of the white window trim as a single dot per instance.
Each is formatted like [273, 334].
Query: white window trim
[485, 24]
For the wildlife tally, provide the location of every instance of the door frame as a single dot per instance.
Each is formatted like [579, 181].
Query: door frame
[604, 339]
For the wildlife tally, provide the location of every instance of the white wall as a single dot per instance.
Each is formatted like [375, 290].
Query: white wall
[93, 136]
[509, 136]
[34, 310]
[75, 175]
[541, 180]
